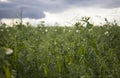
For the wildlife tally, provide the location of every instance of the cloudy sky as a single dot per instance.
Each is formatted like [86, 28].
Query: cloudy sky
[64, 12]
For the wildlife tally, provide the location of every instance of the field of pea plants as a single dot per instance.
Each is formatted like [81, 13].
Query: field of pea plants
[77, 51]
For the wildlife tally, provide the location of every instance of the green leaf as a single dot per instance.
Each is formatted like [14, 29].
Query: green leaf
[7, 72]
[58, 66]
[45, 69]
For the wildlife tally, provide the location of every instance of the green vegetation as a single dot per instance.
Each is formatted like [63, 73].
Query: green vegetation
[60, 52]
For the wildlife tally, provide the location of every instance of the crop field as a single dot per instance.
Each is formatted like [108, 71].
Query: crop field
[60, 52]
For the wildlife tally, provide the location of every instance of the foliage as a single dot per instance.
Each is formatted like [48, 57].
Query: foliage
[60, 52]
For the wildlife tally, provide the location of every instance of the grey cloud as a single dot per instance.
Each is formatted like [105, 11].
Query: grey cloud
[12, 10]
[8, 13]
[35, 8]
[33, 12]
[94, 3]
[113, 4]
[27, 12]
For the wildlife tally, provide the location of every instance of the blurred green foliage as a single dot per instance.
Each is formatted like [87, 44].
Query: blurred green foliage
[60, 52]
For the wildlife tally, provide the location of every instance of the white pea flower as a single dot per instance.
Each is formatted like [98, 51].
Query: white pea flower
[82, 77]
[1, 29]
[55, 29]
[77, 31]
[69, 30]
[90, 30]
[106, 33]
[46, 30]
[8, 51]
[55, 43]
[7, 30]
[82, 55]
[68, 48]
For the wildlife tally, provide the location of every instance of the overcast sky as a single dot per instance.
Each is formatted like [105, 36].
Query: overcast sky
[61, 11]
